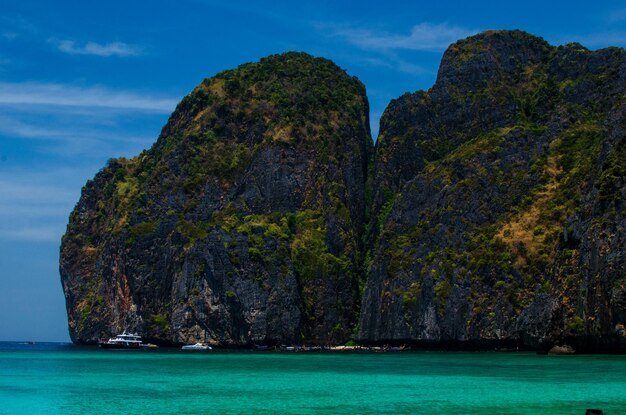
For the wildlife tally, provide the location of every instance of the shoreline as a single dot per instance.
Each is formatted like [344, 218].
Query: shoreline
[558, 350]
[581, 345]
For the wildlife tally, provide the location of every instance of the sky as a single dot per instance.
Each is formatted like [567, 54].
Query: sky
[82, 82]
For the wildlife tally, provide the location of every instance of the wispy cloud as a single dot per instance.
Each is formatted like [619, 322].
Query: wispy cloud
[423, 36]
[10, 126]
[68, 95]
[88, 144]
[35, 205]
[391, 60]
[33, 233]
[96, 49]
[15, 25]
[8, 35]
[407, 67]
[19, 186]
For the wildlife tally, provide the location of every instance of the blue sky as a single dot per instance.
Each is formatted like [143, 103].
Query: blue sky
[82, 82]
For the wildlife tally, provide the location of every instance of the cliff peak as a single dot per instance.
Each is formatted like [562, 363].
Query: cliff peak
[492, 55]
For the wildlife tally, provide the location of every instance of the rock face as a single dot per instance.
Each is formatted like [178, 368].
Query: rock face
[561, 350]
[491, 211]
[498, 210]
[240, 225]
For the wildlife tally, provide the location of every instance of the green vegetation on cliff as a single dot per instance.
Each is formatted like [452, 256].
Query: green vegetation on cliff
[491, 209]
[484, 189]
[256, 185]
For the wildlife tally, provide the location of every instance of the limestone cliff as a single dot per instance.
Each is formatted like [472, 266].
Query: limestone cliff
[241, 224]
[491, 212]
[499, 210]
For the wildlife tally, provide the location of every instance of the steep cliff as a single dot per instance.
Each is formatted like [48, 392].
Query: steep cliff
[492, 211]
[241, 224]
[498, 212]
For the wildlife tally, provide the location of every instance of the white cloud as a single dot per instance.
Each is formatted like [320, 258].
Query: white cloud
[424, 36]
[96, 49]
[67, 95]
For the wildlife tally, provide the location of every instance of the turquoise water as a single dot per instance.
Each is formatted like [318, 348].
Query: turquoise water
[54, 379]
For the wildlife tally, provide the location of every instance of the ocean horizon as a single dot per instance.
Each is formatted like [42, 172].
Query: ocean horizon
[62, 378]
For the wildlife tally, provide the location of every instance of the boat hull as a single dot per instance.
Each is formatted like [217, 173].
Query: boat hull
[197, 346]
[121, 346]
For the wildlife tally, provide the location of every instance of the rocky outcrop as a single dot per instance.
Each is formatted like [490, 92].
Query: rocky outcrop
[491, 212]
[496, 227]
[240, 225]
[561, 350]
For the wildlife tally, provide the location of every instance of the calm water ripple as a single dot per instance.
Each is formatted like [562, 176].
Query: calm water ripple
[65, 379]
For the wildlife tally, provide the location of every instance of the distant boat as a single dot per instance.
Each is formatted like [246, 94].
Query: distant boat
[123, 341]
[197, 346]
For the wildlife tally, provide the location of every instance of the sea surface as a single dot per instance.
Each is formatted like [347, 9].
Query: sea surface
[49, 378]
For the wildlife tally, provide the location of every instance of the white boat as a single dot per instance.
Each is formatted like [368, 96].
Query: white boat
[123, 341]
[197, 346]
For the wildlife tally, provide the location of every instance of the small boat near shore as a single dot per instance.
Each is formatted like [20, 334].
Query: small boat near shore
[130, 341]
[197, 346]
